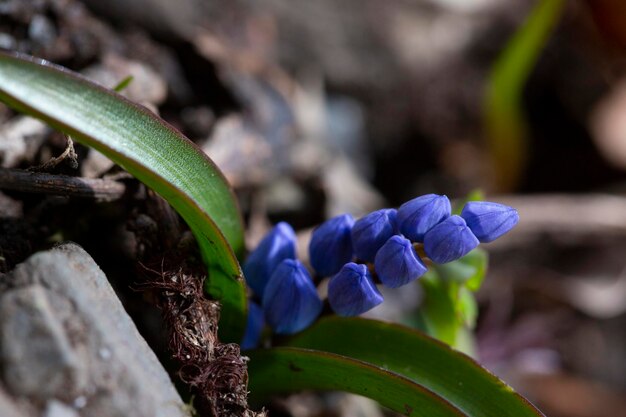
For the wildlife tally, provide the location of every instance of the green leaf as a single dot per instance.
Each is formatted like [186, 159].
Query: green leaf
[123, 84]
[438, 311]
[470, 269]
[474, 195]
[446, 372]
[504, 119]
[151, 150]
[449, 309]
[456, 271]
[467, 308]
[285, 370]
[479, 258]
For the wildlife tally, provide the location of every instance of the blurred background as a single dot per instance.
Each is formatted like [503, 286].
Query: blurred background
[316, 108]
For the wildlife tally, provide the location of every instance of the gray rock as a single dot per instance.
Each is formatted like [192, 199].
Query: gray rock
[146, 87]
[68, 346]
[37, 349]
[20, 138]
[10, 408]
[58, 409]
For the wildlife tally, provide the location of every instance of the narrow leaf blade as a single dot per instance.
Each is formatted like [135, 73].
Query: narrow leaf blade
[151, 150]
[448, 373]
[505, 122]
[284, 370]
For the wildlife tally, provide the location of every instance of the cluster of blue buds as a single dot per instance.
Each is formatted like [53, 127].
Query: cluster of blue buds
[289, 299]
[390, 245]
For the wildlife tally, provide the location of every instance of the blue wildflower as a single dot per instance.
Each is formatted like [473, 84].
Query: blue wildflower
[418, 216]
[449, 240]
[397, 263]
[488, 221]
[254, 326]
[372, 231]
[279, 244]
[290, 300]
[331, 245]
[352, 291]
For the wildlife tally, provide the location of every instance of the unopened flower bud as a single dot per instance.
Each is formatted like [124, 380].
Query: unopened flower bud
[418, 216]
[352, 291]
[290, 300]
[279, 244]
[397, 263]
[488, 221]
[331, 245]
[449, 240]
[254, 326]
[372, 231]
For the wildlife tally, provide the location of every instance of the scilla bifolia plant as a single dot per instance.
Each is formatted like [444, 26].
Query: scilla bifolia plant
[404, 369]
[392, 247]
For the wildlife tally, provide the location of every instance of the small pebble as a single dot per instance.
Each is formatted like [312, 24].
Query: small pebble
[104, 353]
[80, 402]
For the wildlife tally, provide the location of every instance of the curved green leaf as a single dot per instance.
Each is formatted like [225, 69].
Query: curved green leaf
[151, 150]
[448, 373]
[284, 370]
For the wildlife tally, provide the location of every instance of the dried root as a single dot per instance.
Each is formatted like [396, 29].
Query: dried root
[216, 372]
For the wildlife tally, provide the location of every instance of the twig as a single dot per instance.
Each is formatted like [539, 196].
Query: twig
[36, 182]
[566, 217]
[582, 214]
[69, 154]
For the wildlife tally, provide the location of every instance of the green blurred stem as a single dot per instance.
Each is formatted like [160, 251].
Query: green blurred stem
[505, 124]
[439, 315]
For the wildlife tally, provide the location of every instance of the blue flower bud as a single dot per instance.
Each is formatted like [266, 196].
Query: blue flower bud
[488, 221]
[372, 231]
[397, 263]
[418, 216]
[352, 291]
[279, 244]
[449, 240]
[254, 326]
[290, 300]
[331, 245]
